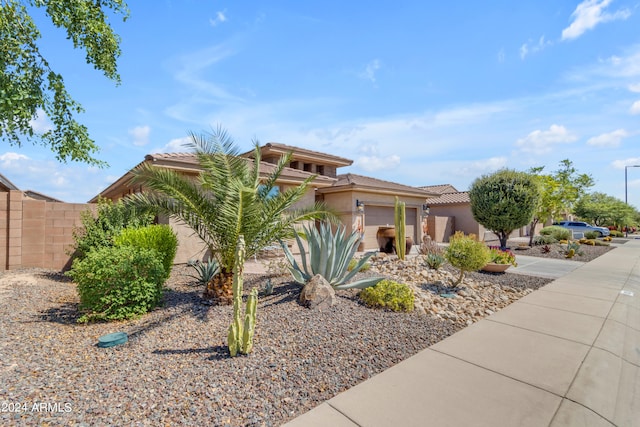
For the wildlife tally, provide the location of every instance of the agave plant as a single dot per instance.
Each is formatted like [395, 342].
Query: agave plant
[205, 271]
[329, 256]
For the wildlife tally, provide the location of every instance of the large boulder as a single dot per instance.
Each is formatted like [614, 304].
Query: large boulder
[318, 294]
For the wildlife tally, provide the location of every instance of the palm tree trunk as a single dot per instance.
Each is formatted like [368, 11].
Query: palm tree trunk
[220, 288]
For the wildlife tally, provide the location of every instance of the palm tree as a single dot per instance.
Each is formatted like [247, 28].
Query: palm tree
[228, 199]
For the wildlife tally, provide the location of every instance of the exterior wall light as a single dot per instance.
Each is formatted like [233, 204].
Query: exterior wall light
[359, 206]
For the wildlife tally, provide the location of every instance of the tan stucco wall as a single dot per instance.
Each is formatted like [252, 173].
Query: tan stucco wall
[464, 220]
[345, 205]
[36, 233]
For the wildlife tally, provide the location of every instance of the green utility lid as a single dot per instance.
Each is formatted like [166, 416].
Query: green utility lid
[113, 339]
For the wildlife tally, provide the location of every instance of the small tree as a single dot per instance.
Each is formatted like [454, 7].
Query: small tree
[504, 201]
[466, 254]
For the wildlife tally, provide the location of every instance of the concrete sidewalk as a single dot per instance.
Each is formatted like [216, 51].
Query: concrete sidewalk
[544, 267]
[565, 355]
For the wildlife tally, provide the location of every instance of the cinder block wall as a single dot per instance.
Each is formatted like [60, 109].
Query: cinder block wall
[35, 233]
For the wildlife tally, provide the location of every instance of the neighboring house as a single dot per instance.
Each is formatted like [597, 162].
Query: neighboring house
[339, 191]
[450, 211]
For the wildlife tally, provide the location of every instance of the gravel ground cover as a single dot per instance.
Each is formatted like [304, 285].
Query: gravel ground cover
[175, 368]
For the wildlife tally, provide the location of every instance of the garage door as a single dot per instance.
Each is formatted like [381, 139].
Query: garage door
[376, 216]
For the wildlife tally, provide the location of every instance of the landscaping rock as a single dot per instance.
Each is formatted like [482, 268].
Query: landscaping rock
[318, 294]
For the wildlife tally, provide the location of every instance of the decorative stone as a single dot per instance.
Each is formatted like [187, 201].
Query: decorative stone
[318, 294]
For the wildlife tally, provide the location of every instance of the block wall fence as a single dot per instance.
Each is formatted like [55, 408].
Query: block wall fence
[36, 233]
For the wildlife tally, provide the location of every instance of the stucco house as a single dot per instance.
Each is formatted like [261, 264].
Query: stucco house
[450, 211]
[361, 202]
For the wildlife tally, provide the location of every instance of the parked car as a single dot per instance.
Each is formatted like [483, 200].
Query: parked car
[583, 227]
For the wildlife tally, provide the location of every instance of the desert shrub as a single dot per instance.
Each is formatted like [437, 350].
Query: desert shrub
[352, 264]
[466, 254]
[557, 232]
[601, 243]
[544, 240]
[157, 237]
[205, 271]
[434, 260]
[98, 230]
[429, 246]
[572, 249]
[591, 235]
[388, 294]
[616, 233]
[117, 283]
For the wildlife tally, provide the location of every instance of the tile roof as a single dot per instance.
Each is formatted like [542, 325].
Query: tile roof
[460, 197]
[4, 182]
[353, 180]
[190, 161]
[302, 153]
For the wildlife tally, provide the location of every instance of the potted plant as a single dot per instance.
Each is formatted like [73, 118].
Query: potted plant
[500, 260]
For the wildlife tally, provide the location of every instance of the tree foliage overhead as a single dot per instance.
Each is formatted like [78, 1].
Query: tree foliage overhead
[558, 192]
[504, 201]
[28, 84]
[603, 210]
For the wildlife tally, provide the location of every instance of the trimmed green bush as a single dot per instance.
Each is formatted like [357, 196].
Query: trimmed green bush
[388, 294]
[544, 240]
[158, 237]
[466, 254]
[557, 232]
[616, 233]
[591, 235]
[118, 283]
[98, 230]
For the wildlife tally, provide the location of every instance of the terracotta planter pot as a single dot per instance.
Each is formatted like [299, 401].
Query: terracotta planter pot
[495, 268]
[385, 237]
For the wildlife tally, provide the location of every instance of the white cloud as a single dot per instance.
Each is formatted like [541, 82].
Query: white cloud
[543, 141]
[611, 139]
[634, 87]
[41, 123]
[590, 13]
[176, 145]
[530, 47]
[376, 164]
[369, 72]
[631, 161]
[11, 161]
[635, 108]
[140, 135]
[373, 161]
[524, 51]
[220, 18]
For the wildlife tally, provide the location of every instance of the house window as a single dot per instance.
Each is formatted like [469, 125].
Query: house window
[294, 165]
[320, 169]
[307, 167]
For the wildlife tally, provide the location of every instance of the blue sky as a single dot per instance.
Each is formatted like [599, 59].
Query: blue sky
[415, 92]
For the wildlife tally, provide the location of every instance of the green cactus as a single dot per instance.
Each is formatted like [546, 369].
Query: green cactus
[401, 247]
[240, 337]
